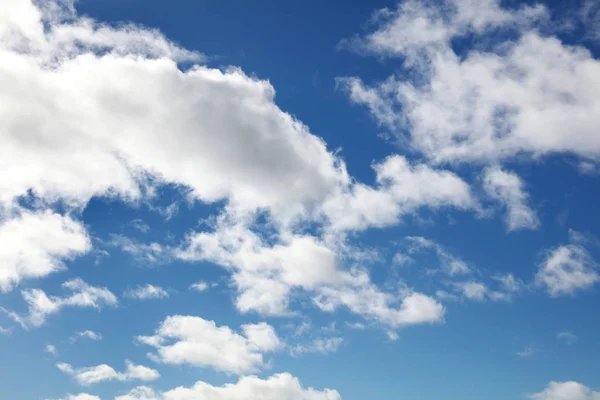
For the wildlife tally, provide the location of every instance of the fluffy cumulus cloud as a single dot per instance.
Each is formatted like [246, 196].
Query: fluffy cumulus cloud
[41, 305]
[566, 391]
[34, 245]
[517, 91]
[507, 188]
[566, 270]
[227, 139]
[107, 111]
[198, 342]
[100, 373]
[146, 292]
[277, 387]
[265, 276]
[401, 188]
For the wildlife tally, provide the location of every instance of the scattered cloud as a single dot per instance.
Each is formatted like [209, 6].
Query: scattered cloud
[265, 276]
[489, 103]
[140, 225]
[146, 292]
[507, 188]
[319, 345]
[527, 352]
[566, 270]
[50, 348]
[200, 286]
[41, 305]
[567, 337]
[100, 373]
[450, 264]
[198, 342]
[151, 254]
[402, 188]
[91, 335]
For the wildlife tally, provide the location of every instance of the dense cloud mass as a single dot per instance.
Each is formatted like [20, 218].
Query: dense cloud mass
[527, 93]
[118, 113]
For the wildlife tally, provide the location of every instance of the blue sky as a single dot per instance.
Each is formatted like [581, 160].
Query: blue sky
[299, 200]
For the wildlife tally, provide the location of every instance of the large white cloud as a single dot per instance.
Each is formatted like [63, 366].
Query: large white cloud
[532, 94]
[91, 124]
[277, 387]
[108, 112]
[566, 391]
[91, 110]
[196, 341]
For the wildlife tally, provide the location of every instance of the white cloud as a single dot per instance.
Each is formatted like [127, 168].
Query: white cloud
[473, 290]
[141, 393]
[418, 28]
[393, 336]
[477, 291]
[152, 253]
[566, 391]
[319, 345]
[35, 243]
[265, 276]
[100, 373]
[140, 225]
[196, 341]
[527, 352]
[85, 335]
[566, 270]
[396, 311]
[50, 348]
[583, 238]
[41, 305]
[200, 286]
[277, 387]
[567, 337]
[401, 188]
[81, 396]
[228, 140]
[451, 264]
[146, 292]
[5, 331]
[507, 188]
[523, 93]
[509, 283]
[356, 325]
